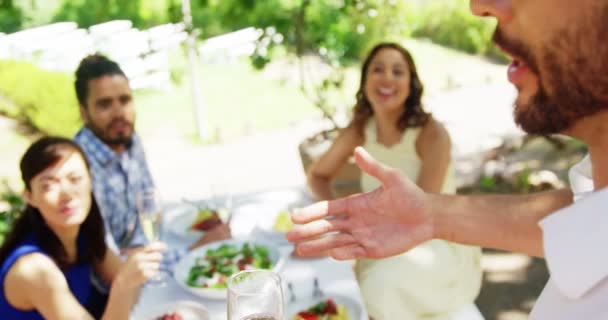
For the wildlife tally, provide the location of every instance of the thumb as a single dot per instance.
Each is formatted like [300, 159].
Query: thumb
[371, 166]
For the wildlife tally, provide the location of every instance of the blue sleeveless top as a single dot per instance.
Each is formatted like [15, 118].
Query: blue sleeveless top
[77, 276]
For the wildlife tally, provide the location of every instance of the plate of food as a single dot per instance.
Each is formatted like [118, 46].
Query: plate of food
[179, 310]
[333, 307]
[204, 271]
[281, 225]
[191, 222]
[261, 221]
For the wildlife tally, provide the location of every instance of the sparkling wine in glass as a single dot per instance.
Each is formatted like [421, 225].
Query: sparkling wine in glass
[149, 209]
[150, 223]
[255, 295]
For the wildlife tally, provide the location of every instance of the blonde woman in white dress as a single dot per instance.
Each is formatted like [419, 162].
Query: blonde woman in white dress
[437, 280]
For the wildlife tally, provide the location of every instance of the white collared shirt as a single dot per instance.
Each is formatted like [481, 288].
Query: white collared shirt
[575, 240]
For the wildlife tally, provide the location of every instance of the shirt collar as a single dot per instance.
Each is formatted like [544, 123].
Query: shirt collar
[581, 176]
[573, 238]
[97, 149]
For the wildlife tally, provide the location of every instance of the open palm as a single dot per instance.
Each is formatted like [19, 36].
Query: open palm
[387, 221]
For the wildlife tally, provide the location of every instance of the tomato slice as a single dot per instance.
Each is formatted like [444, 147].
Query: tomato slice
[307, 315]
[330, 307]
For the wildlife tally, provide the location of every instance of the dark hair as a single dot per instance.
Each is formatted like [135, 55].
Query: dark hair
[92, 67]
[414, 115]
[41, 155]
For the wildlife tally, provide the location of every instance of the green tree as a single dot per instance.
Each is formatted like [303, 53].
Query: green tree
[143, 14]
[11, 16]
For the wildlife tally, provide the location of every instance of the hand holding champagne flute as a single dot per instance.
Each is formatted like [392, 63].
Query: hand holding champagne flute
[149, 209]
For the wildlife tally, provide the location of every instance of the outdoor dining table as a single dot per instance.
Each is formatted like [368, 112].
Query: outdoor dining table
[335, 278]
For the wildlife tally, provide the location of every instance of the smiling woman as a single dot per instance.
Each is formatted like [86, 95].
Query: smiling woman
[58, 240]
[438, 277]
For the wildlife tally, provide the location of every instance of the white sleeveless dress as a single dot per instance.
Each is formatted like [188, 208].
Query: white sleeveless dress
[436, 280]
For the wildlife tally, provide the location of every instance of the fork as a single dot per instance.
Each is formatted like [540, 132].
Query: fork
[316, 291]
[292, 296]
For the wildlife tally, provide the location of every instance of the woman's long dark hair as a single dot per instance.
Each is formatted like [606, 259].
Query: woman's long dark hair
[41, 155]
[414, 114]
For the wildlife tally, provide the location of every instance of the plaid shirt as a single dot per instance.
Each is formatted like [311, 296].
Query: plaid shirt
[117, 178]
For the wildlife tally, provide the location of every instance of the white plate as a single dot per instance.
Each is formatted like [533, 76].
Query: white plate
[189, 310]
[301, 304]
[256, 221]
[182, 268]
[180, 220]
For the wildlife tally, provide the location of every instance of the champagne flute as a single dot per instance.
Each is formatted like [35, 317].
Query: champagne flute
[149, 209]
[255, 295]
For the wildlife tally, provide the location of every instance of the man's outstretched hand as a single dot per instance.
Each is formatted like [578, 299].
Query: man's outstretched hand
[387, 221]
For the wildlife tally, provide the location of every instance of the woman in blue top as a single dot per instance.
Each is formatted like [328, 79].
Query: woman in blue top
[46, 260]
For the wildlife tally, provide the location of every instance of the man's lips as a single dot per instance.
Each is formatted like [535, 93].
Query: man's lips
[120, 126]
[517, 71]
[518, 68]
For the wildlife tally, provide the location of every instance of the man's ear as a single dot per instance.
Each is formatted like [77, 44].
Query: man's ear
[84, 114]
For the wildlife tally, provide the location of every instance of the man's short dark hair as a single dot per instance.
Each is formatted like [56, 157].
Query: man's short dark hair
[92, 67]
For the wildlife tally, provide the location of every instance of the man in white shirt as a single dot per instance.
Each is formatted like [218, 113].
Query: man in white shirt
[560, 68]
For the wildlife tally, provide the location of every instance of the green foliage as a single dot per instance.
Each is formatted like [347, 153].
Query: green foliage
[522, 181]
[14, 205]
[44, 99]
[89, 12]
[450, 23]
[344, 28]
[487, 183]
[11, 16]
[518, 183]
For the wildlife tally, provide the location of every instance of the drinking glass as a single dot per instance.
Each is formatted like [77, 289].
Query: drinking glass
[255, 295]
[149, 209]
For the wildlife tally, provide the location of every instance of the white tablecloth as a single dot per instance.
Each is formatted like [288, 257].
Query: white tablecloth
[335, 278]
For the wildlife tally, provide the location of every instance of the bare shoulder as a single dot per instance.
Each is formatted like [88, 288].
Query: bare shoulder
[32, 273]
[434, 133]
[34, 265]
[434, 130]
[433, 137]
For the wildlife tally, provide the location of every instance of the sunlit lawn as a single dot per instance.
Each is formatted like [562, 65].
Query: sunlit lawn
[235, 98]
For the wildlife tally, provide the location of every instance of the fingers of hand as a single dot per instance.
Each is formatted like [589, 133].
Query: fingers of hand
[317, 246]
[316, 228]
[146, 270]
[367, 163]
[156, 246]
[371, 166]
[348, 252]
[144, 257]
[319, 210]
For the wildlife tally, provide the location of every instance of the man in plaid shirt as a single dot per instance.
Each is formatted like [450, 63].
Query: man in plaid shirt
[116, 156]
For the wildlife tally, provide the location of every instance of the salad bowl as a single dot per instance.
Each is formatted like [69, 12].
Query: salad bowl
[205, 270]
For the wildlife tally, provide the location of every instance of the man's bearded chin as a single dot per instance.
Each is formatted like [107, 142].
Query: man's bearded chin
[541, 116]
[120, 141]
[573, 97]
